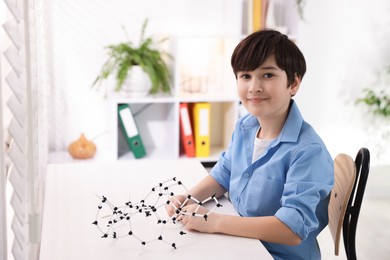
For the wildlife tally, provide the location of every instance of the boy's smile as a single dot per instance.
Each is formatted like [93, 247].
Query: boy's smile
[256, 99]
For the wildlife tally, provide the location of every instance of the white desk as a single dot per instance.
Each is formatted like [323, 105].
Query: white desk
[71, 207]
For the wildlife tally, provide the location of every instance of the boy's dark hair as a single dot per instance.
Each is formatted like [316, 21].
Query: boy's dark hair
[252, 51]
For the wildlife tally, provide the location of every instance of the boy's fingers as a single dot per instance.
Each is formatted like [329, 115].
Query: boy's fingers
[172, 206]
[170, 211]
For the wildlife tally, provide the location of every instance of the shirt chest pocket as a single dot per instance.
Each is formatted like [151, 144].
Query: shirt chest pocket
[263, 193]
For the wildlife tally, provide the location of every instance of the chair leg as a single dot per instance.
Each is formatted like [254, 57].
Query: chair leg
[351, 217]
[346, 234]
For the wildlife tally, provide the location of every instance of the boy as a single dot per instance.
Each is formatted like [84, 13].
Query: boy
[277, 170]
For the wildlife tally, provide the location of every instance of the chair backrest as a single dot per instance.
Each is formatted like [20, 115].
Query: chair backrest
[344, 179]
[362, 163]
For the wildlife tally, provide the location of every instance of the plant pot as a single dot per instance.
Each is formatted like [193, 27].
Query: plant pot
[138, 83]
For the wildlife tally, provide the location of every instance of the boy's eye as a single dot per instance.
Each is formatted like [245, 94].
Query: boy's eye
[245, 76]
[268, 75]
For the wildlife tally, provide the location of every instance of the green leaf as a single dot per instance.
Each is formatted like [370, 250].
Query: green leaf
[122, 56]
[378, 103]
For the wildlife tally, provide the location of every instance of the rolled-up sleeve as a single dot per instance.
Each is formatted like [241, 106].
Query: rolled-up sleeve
[308, 183]
[221, 171]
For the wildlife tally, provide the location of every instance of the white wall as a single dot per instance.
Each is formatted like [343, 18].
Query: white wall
[346, 44]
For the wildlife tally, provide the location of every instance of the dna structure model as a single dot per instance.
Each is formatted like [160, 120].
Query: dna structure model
[121, 221]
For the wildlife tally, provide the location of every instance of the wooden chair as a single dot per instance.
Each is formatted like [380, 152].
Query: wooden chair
[346, 198]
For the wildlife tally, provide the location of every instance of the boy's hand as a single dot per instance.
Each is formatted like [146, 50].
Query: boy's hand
[198, 223]
[174, 203]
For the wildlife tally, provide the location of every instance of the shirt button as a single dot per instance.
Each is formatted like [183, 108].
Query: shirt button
[246, 174]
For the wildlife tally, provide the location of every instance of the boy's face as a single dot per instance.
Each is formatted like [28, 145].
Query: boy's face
[264, 92]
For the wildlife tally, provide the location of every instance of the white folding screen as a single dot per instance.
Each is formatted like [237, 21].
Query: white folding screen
[3, 207]
[27, 104]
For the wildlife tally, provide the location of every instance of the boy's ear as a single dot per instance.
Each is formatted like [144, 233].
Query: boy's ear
[295, 85]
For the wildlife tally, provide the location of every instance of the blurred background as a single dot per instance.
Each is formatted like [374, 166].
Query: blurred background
[345, 44]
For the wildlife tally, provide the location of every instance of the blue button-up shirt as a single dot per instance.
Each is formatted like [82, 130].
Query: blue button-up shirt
[292, 180]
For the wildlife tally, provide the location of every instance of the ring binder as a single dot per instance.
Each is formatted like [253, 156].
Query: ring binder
[130, 131]
[187, 138]
[201, 113]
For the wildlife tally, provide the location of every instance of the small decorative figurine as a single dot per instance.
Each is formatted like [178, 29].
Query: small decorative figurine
[82, 148]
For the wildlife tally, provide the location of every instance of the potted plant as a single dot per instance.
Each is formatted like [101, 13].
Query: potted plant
[124, 57]
[378, 101]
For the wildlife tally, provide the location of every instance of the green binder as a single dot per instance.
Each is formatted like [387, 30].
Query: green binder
[130, 131]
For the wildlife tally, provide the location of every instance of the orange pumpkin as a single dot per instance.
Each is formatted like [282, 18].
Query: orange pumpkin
[82, 148]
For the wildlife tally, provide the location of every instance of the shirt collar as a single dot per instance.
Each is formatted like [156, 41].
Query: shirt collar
[293, 124]
[290, 130]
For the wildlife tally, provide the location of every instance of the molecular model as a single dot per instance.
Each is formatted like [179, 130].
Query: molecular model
[117, 222]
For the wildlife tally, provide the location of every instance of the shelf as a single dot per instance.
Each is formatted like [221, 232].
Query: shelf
[65, 157]
[158, 153]
[195, 79]
[215, 152]
[104, 147]
[211, 96]
[118, 98]
[159, 128]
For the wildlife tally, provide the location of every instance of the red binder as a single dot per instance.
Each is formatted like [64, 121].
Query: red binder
[187, 137]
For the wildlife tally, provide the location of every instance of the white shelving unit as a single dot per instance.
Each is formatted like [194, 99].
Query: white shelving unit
[158, 124]
[204, 61]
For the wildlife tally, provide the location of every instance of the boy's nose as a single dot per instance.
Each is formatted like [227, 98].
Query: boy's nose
[255, 87]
